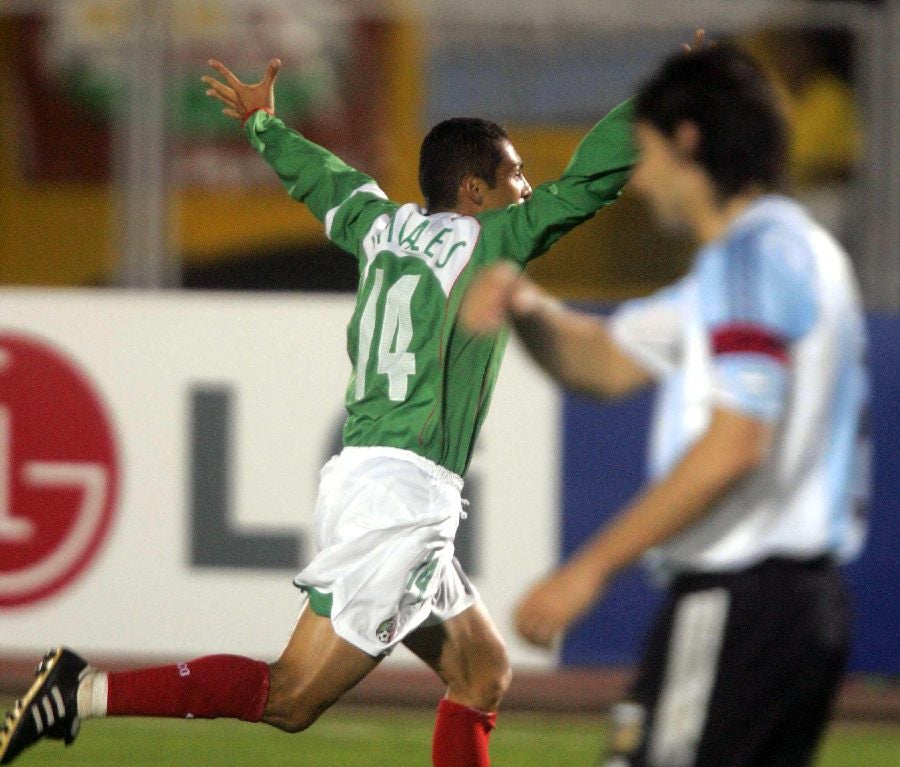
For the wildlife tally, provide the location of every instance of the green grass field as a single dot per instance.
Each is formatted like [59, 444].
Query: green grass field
[354, 737]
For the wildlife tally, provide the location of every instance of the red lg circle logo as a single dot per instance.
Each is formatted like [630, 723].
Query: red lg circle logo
[58, 471]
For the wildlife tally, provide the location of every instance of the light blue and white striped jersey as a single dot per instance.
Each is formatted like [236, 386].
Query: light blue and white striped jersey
[768, 323]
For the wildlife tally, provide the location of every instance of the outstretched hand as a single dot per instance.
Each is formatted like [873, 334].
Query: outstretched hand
[241, 99]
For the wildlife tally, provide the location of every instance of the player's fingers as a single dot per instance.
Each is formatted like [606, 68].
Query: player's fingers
[219, 87]
[484, 312]
[228, 102]
[233, 103]
[497, 288]
[272, 71]
[483, 308]
[504, 273]
[232, 113]
[698, 43]
[225, 72]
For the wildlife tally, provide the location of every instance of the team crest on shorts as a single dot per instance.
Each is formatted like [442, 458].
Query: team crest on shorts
[386, 630]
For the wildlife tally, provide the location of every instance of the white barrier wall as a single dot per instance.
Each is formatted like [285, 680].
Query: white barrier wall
[131, 424]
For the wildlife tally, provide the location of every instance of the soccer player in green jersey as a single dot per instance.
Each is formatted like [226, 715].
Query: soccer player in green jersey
[389, 504]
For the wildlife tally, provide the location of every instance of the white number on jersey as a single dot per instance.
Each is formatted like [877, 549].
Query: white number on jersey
[396, 331]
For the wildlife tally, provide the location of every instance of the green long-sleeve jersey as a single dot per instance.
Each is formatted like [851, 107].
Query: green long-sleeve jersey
[421, 382]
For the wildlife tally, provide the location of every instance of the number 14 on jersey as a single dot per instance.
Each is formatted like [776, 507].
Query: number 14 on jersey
[396, 331]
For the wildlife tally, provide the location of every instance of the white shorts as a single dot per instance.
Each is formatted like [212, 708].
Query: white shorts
[385, 520]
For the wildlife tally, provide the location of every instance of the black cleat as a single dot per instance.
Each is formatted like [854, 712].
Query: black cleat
[49, 708]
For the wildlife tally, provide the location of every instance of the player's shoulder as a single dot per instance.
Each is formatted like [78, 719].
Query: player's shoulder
[765, 268]
[773, 243]
[775, 229]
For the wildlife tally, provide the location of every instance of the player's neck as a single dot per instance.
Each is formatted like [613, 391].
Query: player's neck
[712, 218]
[466, 207]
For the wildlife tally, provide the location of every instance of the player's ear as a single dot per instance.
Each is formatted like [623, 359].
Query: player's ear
[686, 139]
[472, 189]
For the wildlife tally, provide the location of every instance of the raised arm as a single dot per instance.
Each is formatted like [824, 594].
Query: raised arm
[593, 178]
[575, 348]
[344, 199]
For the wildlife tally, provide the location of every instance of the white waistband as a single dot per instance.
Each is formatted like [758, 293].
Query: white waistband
[432, 469]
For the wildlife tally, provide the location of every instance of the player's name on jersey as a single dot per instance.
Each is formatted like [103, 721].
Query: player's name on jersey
[409, 232]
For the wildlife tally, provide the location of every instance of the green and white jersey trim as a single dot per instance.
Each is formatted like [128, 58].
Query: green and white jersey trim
[445, 242]
[371, 188]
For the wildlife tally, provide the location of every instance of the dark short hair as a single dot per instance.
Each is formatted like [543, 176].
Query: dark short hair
[727, 95]
[452, 150]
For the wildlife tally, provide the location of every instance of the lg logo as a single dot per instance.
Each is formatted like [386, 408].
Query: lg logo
[60, 476]
[58, 470]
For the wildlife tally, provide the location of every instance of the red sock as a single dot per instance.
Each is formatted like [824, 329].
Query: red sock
[461, 736]
[205, 688]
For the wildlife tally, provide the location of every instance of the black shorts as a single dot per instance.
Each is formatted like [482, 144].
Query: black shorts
[740, 670]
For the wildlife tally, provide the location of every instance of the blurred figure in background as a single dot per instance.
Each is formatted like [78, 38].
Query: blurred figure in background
[389, 505]
[753, 502]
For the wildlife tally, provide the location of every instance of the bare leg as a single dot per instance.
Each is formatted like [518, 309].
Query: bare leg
[469, 655]
[316, 668]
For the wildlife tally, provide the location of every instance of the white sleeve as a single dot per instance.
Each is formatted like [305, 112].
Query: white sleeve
[650, 329]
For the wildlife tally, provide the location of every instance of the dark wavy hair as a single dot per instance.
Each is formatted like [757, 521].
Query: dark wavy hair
[727, 95]
[454, 149]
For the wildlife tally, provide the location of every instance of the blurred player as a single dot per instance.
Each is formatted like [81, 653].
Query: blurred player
[389, 504]
[758, 352]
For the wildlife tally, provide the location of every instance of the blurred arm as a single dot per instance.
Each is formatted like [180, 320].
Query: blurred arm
[731, 448]
[575, 348]
[345, 200]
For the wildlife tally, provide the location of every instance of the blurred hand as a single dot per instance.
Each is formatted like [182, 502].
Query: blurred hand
[486, 303]
[554, 603]
[699, 41]
[240, 99]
